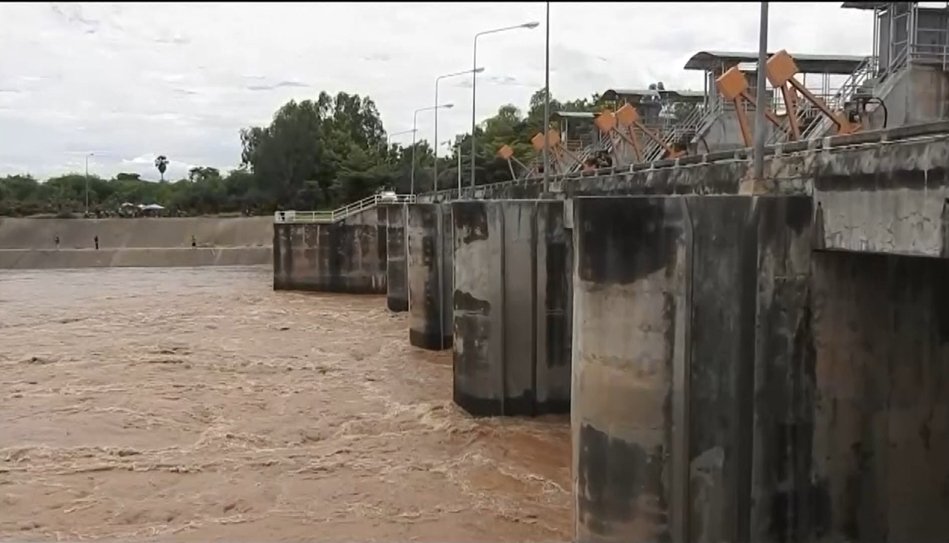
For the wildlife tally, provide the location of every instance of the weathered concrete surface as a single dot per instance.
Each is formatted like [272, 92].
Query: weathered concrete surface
[30, 243]
[397, 287]
[429, 253]
[158, 257]
[346, 256]
[880, 414]
[671, 320]
[512, 307]
[891, 199]
[920, 94]
[38, 234]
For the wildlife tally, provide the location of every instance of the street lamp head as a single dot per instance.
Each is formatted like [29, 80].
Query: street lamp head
[448, 106]
[532, 24]
[478, 70]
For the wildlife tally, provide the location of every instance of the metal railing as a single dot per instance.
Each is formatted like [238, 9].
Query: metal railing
[710, 114]
[336, 215]
[689, 125]
[937, 55]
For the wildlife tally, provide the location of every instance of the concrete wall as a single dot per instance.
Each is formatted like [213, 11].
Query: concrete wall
[918, 94]
[892, 200]
[397, 287]
[346, 256]
[678, 300]
[512, 307]
[30, 243]
[134, 258]
[879, 382]
[429, 254]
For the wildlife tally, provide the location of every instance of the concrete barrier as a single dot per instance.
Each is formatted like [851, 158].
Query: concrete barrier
[345, 256]
[511, 307]
[397, 288]
[429, 253]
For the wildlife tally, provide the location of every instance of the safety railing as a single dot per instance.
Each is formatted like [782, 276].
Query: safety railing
[710, 114]
[937, 55]
[336, 215]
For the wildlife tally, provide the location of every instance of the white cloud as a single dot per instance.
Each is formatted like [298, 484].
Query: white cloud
[135, 80]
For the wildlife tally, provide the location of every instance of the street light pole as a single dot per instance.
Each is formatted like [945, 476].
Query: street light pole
[414, 132]
[87, 181]
[474, 81]
[389, 136]
[547, 102]
[437, 79]
[760, 99]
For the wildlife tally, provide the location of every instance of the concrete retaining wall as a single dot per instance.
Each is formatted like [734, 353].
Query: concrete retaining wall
[512, 307]
[134, 258]
[346, 256]
[397, 288]
[671, 320]
[30, 243]
[429, 254]
[38, 234]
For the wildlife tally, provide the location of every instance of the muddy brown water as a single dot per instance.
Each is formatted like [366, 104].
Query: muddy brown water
[197, 404]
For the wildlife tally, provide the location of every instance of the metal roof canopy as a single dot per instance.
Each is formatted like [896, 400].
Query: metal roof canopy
[934, 6]
[676, 95]
[574, 114]
[807, 64]
[864, 5]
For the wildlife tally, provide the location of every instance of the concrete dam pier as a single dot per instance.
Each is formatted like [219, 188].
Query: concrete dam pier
[512, 307]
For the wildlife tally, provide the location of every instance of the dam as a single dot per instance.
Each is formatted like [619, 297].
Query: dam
[742, 359]
[650, 344]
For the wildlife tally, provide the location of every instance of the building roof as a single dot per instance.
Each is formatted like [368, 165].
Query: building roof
[675, 95]
[864, 5]
[810, 64]
[573, 114]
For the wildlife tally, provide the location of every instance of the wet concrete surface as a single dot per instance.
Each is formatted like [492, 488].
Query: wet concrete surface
[198, 404]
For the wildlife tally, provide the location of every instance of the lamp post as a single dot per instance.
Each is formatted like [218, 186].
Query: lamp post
[389, 136]
[760, 99]
[414, 132]
[87, 181]
[437, 79]
[547, 101]
[474, 80]
[457, 147]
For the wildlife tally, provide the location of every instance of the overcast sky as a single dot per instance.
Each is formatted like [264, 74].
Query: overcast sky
[130, 81]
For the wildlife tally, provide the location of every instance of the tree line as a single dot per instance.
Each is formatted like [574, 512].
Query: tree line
[314, 154]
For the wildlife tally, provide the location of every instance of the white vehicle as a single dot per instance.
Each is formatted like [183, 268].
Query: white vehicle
[388, 196]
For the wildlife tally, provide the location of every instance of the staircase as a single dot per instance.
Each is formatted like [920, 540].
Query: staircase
[815, 124]
[688, 127]
[341, 213]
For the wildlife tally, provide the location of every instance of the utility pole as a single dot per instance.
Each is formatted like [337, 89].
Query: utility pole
[760, 101]
[547, 102]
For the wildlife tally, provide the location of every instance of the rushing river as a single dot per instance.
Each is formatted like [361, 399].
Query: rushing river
[198, 404]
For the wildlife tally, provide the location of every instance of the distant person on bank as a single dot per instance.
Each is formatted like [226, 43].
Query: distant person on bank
[57, 242]
[96, 239]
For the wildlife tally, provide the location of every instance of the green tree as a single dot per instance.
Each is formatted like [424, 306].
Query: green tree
[161, 162]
